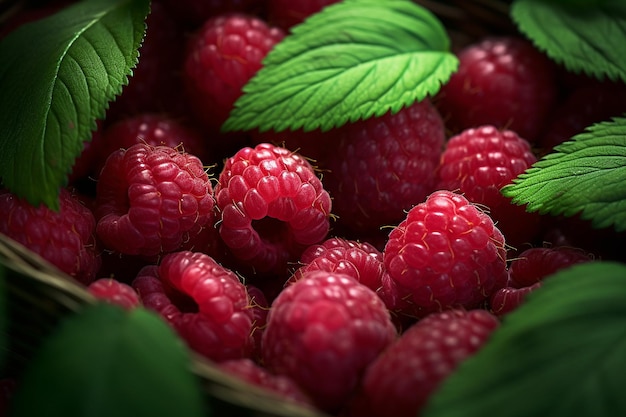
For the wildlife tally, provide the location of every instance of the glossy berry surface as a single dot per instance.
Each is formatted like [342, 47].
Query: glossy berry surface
[114, 292]
[204, 302]
[322, 332]
[477, 163]
[400, 381]
[272, 206]
[152, 199]
[65, 238]
[446, 253]
[502, 81]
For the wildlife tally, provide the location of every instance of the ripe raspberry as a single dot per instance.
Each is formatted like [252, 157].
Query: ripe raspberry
[508, 299]
[527, 271]
[399, 382]
[65, 238]
[220, 59]
[360, 260]
[288, 13]
[260, 307]
[150, 200]
[501, 81]
[204, 302]
[114, 292]
[155, 84]
[272, 205]
[280, 385]
[446, 253]
[477, 163]
[534, 264]
[323, 331]
[583, 107]
[315, 145]
[385, 165]
[154, 129]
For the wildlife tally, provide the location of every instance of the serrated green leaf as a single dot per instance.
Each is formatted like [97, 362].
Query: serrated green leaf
[353, 60]
[560, 354]
[587, 37]
[57, 76]
[584, 175]
[105, 361]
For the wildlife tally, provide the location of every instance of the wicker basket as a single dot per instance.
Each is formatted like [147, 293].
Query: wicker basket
[39, 296]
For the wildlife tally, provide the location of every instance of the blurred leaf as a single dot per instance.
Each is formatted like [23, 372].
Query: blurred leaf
[560, 354]
[107, 362]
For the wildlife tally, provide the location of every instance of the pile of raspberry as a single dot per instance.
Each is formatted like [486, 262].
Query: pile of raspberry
[348, 271]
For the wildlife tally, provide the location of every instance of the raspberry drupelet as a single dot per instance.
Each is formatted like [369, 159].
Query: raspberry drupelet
[272, 207]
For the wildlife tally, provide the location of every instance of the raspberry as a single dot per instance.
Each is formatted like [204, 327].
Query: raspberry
[288, 13]
[249, 371]
[534, 264]
[446, 253]
[155, 84]
[399, 382]
[114, 292]
[527, 271]
[272, 205]
[478, 162]
[322, 332]
[360, 260]
[65, 238]
[154, 129]
[501, 81]
[385, 165]
[220, 59]
[204, 302]
[583, 107]
[150, 200]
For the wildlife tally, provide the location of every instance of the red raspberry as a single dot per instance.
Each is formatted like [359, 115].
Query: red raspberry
[205, 302]
[508, 299]
[446, 253]
[155, 84]
[360, 260]
[583, 107]
[501, 81]
[477, 163]
[65, 238]
[399, 382]
[192, 13]
[150, 200]
[280, 385]
[220, 59]
[273, 206]
[323, 331]
[154, 129]
[385, 165]
[114, 292]
[288, 13]
[527, 271]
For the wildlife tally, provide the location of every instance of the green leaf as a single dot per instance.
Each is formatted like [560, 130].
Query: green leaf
[587, 36]
[584, 175]
[560, 354]
[105, 361]
[353, 60]
[57, 76]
